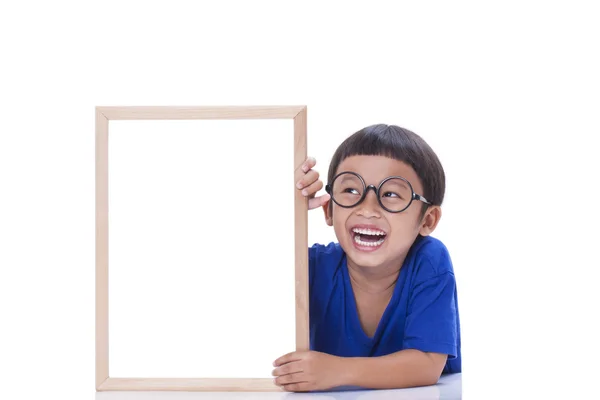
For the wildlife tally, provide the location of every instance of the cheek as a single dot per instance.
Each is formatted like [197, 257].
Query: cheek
[338, 225]
[405, 225]
[339, 221]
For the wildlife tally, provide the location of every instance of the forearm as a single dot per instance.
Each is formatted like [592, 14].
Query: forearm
[406, 368]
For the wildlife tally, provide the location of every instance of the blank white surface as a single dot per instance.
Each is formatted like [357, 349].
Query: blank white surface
[201, 247]
[448, 388]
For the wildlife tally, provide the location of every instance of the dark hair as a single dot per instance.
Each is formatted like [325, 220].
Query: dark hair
[403, 145]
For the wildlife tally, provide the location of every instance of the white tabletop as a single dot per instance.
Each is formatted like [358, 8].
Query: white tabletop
[449, 387]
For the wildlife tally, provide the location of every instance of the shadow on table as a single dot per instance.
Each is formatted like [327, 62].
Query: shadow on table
[448, 388]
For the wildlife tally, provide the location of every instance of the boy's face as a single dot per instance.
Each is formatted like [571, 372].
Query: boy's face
[389, 236]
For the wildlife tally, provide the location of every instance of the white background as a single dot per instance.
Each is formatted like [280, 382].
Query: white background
[507, 95]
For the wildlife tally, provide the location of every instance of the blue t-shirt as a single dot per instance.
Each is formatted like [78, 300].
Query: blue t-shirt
[422, 313]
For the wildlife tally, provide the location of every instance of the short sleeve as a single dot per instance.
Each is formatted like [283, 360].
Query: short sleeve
[432, 319]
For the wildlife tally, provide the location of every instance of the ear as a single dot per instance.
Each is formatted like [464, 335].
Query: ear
[328, 213]
[430, 220]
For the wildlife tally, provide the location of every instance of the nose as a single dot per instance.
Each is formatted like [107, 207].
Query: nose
[369, 207]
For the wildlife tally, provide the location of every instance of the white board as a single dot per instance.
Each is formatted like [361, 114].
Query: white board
[201, 247]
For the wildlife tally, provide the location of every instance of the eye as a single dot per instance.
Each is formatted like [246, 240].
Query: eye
[351, 190]
[392, 194]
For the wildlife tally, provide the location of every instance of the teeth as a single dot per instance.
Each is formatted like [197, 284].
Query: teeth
[372, 244]
[368, 231]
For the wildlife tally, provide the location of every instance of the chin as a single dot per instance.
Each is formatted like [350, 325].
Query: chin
[365, 263]
[367, 258]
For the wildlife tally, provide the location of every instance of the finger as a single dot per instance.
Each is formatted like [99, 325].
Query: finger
[289, 368]
[289, 357]
[309, 178]
[297, 377]
[298, 387]
[318, 201]
[309, 163]
[313, 188]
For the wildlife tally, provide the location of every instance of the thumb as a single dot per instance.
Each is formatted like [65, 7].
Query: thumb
[317, 202]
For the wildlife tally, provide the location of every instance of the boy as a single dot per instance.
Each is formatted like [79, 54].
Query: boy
[383, 301]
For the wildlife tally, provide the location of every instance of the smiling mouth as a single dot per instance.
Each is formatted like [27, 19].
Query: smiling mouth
[368, 237]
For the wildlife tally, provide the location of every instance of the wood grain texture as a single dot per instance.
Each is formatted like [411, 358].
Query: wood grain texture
[191, 384]
[198, 112]
[301, 229]
[101, 248]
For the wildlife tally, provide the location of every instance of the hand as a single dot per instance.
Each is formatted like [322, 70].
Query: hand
[302, 371]
[310, 184]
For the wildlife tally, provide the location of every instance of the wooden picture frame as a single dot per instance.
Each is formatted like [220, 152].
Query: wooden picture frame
[104, 382]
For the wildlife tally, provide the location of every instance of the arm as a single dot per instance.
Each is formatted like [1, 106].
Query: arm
[405, 368]
[313, 370]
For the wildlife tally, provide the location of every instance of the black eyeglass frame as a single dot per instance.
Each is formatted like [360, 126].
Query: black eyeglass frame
[418, 197]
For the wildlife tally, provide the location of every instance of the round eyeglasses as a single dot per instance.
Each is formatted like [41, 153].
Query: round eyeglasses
[395, 194]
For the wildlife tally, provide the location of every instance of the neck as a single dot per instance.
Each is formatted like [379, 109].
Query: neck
[373, 280]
